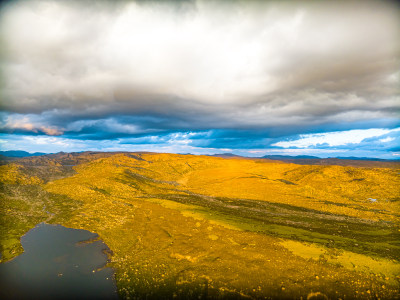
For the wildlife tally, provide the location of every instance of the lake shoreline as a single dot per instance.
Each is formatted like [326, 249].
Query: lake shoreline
[59, 261]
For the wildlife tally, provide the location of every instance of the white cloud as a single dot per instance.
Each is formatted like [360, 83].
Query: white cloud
[387, 140]
[242, 64]
[56, 144]
[332, 139]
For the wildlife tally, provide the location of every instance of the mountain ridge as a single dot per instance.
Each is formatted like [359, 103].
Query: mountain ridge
[22, 153]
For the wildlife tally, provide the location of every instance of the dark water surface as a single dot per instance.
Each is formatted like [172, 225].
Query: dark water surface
[55, 266]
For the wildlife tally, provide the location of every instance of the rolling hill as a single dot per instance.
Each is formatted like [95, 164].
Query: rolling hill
[188, 226]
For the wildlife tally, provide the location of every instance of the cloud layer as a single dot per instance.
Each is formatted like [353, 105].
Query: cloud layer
[126, 69]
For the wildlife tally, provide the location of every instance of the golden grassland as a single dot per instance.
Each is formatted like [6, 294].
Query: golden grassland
[186, 226]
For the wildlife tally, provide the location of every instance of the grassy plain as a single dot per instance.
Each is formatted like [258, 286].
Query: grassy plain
[185, 226]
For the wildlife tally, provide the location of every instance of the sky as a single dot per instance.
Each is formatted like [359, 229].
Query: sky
[253, 78]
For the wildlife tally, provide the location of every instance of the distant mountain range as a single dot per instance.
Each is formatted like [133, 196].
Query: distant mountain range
[280, 157]
[284, 157]
[7, 156]
[315, 160]
[300, 157]
[227, 155]
[20, 153]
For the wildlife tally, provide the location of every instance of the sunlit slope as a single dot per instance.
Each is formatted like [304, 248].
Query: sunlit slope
[360, 192]
[336, 189]
[195, 226]
[309, 203]
[251, 194]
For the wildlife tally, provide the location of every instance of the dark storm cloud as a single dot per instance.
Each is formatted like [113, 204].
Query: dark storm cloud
[241, 72]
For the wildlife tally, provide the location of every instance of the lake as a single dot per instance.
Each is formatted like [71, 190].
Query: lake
[58, 263]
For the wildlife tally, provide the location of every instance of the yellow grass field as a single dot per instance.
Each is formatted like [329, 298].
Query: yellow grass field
[201, 227]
